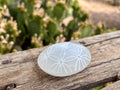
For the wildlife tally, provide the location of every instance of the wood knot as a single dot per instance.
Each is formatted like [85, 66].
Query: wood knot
[82, 42]
[10, 86]
[6, 62]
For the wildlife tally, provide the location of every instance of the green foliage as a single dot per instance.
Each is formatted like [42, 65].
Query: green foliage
[31, 23]
[86, 30]
[52, 30]
[34, 27]
[98, 88]
[36, 41]
[6, 2]
[70, 29]
[58, 10]
[44, 25]
[78, 12]
[8, 32]
[76, 4]
[103, 29]
[3, 2]
[102, 86]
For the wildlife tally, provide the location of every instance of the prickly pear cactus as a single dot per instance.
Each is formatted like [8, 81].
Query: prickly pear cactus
[52, 30]
[86, 30]
[42, 25]
[58, 10]
[36, 41]
[101, 28]
[34, 27]
[8, 31]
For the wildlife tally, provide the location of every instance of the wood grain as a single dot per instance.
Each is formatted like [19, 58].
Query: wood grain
[21, 68]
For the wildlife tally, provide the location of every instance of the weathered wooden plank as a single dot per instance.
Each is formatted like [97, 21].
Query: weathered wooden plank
[21, 68]
[114, 86]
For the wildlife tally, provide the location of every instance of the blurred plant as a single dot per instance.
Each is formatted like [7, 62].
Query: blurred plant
[98, 88]
[84, 31]
[102, 86]
[60, 38]
[6, 2]
[8, 31]
[45, 24]
[101, 28]
[48, 24]
[36, 41]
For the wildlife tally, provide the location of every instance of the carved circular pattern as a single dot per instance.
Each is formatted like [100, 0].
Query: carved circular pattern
[64, 59]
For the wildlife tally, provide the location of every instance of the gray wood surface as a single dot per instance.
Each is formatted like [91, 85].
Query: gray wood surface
[21, 68]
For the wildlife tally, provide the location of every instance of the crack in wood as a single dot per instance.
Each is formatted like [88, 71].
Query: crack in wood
[10, 86]
[102, 41]
[104, 62]
[6, 62]
[95, 84]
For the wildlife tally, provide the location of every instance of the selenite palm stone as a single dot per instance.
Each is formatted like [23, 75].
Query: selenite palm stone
[64, 59]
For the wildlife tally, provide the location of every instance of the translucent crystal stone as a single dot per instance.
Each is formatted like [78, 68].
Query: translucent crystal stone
[64, 59]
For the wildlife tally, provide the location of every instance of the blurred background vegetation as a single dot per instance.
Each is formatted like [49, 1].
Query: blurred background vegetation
[24, 26]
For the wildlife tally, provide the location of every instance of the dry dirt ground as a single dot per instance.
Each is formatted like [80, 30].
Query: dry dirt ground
[102, 12]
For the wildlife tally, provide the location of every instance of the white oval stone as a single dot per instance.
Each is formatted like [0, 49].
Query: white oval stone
[64, 59]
